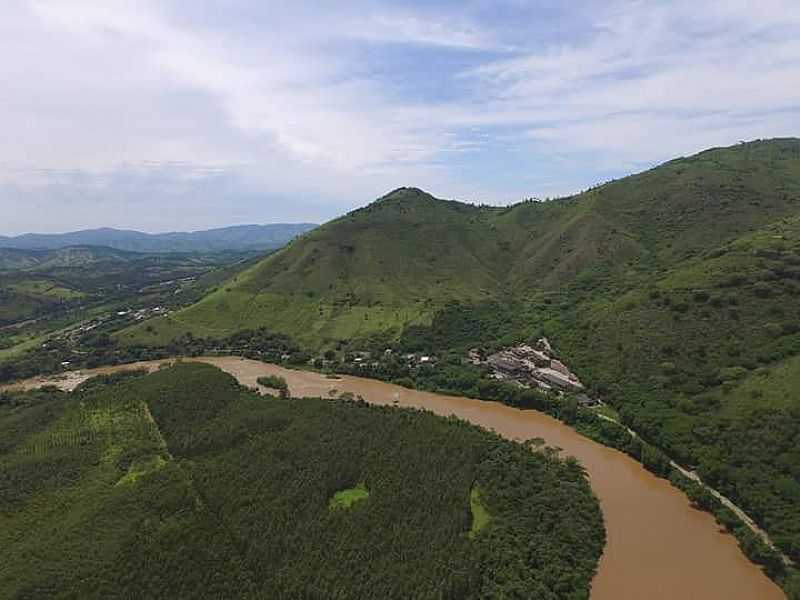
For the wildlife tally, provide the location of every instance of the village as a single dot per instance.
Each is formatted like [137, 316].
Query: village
[120, 316]
[528, 366]
[71, 336]
[533, 367]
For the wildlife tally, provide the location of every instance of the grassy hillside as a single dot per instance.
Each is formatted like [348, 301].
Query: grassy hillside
[183, 484]
[351, 277]
[29, 297]
[74, 256]
[400, 259]
[701, 358]
[376, 270]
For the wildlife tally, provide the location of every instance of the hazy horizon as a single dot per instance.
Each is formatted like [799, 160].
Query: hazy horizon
[161, 232]
[176, 117]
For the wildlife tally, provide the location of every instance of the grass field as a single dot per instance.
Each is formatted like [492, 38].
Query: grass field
[47, 289]
[480, 516]
[346, 498]
[22, 346]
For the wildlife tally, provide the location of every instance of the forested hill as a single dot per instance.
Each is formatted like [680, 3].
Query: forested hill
[399, 260]
[674, 294]
[239, 237]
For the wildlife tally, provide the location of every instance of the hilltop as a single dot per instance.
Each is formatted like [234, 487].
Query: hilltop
[400, 259]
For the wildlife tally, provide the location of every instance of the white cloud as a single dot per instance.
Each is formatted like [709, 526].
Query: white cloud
[317, 100]
[410, 28]
[308, 105]
[657, 78]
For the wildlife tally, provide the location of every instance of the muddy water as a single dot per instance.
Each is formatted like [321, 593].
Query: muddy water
[71, 379]
[658, 547]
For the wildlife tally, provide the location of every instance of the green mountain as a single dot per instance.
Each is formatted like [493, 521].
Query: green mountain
[672, 293]
[183, 484]
[399, 260]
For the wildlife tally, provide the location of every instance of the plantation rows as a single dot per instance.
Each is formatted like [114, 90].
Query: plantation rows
[243, 510]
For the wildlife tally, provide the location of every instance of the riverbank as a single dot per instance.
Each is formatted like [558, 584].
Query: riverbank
[658, 546]
[692, 476]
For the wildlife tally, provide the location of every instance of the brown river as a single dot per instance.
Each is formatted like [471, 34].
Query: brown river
[658, 548]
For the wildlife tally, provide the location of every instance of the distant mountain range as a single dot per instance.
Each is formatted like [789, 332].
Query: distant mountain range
[239, 237]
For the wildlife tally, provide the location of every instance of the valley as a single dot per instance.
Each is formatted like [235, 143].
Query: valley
[59, 297]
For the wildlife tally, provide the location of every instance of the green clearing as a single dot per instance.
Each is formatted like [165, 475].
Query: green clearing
[346, 498]
[22, 347]
[184, 484]
[480, 516]
[142, 467]
[46, 289]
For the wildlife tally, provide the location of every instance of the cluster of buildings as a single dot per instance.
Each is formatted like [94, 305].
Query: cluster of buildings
[413, 360]
[143, 313]
[533, 367]
[73, 333]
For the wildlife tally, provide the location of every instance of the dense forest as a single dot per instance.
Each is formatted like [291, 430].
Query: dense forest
[184, 484]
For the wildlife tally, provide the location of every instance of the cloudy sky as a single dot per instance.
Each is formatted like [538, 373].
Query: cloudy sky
[188, 114]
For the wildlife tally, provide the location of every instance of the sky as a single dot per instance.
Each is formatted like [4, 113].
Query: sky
[189, 114]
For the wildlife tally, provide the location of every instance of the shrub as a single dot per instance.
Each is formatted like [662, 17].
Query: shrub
[680, 307]
[762, 290]
[276, 383]
[732, 373]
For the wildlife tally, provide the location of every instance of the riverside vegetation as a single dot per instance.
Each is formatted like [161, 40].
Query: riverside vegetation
[182, 483]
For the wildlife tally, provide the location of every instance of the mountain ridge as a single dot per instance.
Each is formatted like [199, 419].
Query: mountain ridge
[399, 259]
[236, 237]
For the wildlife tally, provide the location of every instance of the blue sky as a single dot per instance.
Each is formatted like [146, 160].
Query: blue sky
[187, 114]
